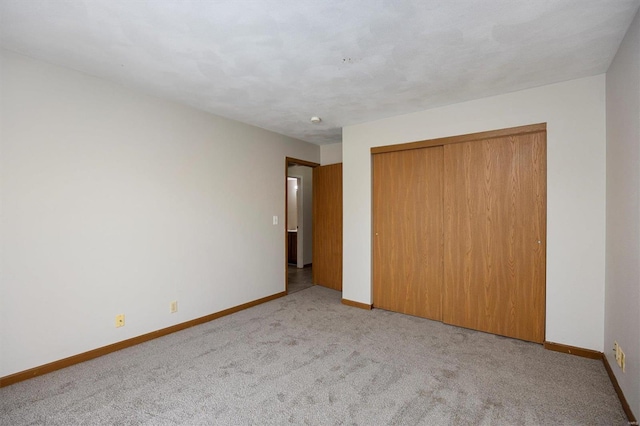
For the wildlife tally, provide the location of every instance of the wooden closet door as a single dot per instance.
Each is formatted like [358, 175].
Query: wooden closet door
[495, 229]
[327, 226]
[407, 231]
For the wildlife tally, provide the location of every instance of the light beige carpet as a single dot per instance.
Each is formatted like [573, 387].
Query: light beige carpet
[308, 359]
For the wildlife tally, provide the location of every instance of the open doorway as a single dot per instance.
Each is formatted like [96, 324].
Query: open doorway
[299, 225]
[295, 213]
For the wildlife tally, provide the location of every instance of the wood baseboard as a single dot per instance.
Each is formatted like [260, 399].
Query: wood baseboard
[95, 353]
[616, 386]
[356, 304]
[573, 350]
[588, 353]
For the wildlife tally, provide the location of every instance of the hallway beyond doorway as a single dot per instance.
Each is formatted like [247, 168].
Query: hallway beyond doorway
[299, 278]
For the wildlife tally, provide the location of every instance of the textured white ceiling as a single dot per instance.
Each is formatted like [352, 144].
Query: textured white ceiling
[276, 63]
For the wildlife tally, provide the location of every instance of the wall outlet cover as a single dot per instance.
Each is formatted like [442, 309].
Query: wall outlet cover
[120, 320]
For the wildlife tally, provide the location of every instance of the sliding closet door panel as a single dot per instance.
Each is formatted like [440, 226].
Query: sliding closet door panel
[327, 226]
[407, 232]
[495, 229]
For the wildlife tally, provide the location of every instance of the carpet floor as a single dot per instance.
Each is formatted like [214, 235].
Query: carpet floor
[308, 359]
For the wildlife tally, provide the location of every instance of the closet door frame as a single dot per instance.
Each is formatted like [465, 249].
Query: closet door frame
[492, 134]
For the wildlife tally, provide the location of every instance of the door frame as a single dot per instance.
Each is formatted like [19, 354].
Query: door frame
[290, 161]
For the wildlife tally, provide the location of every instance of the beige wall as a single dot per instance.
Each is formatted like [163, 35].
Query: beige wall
[331, 154]
[117, 202]
[622, 297]
[575, 114]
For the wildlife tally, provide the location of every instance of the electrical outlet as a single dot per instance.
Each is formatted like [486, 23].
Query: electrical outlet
[173, 308]
[120, 320]
[620, 358]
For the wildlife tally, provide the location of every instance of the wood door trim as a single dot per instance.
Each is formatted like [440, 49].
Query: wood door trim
[355, 304]
[492, 134]
[290, 161]
[573, 350]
